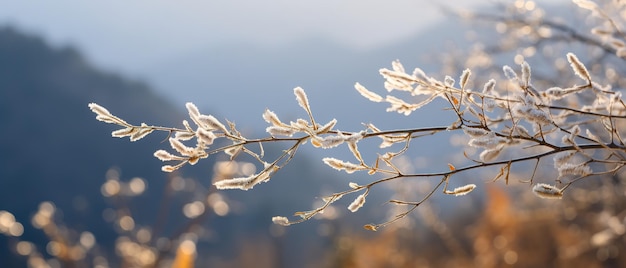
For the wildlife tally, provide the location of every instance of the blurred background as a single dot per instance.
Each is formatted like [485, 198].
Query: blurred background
[72, 196]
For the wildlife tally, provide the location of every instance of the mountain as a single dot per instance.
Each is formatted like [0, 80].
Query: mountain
[54, 150]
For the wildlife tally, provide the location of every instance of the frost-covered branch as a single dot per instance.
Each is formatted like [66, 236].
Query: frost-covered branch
[575, 124]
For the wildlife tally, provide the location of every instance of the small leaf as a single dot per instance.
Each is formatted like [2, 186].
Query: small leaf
[370, 227]
[451, 167]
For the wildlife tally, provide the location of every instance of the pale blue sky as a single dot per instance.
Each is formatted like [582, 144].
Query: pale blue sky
[132, 35]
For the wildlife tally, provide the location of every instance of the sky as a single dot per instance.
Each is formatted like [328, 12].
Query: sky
[133, 35]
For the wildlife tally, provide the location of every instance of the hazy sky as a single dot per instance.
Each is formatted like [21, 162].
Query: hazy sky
[130, 35]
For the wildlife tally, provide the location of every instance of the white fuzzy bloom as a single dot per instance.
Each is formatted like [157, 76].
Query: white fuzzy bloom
[368, 94]
[555, 93]
[397, 66]
[389, 140]
[562, 158]
[464, 78]
[489, 87]
[272, 118]
[574, 169]
[489, 141]
[102, 114]
[168, 168]
[280, 131]
[577, 66]
[209, 122]
[99, 110]
[463, 190]
[355, 151]
[532, 114]
[525, 73]
[357, 203]
[586, 4]
[233, 151]
[522, 131]
[448, 81]
[475, 132]
[166, 156]
[574, 132]
[354, 137]
[602, 31]
[341, 165]
[207, 137]
[120, 133]
[184, 136]
[420, 74]
[509, 73]
[301, 125]
[400, 106]
[302, 99]
[547, 191]
[281, 221]
[327, 127]
[194, 113]
[243, 183]
[180, 147]
[143, 131]
[331, 141]
[490, 154]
